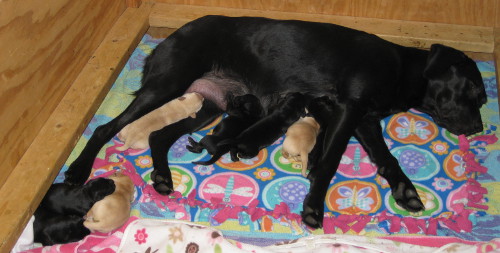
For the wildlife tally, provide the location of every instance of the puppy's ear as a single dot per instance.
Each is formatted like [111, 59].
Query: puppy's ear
[440, 59]
[193, 115]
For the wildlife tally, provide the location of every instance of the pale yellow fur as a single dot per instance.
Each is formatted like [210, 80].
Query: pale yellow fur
[300, 140]
[136, 134]
[113, 211]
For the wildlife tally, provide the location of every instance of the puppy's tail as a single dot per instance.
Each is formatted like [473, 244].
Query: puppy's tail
[304, 156]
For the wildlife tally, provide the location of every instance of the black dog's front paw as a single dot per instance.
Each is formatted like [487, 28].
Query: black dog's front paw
[312, 214]
[406, 196]
[162, 183]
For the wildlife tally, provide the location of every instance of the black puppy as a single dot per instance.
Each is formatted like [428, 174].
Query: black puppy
[59, 217]
[50, 228]
[367, 77]
[267, 130]
[242, 111]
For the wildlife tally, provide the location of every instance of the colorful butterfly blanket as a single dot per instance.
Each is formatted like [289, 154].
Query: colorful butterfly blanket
[259, 200]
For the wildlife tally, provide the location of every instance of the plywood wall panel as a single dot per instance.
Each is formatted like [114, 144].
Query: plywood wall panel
[464, 12]
[44, 45]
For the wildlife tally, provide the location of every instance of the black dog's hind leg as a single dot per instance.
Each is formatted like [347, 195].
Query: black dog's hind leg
[160, 142]
[146, 101]
[341, 127]
[369, 134]
[167, 74]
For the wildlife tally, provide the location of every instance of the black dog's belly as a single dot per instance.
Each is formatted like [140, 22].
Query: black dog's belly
[216, 85]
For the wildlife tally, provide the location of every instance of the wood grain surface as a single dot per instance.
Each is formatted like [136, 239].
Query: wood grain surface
[44, 46]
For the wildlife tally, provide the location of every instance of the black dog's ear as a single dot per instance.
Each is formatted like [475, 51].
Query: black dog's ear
[440, 59]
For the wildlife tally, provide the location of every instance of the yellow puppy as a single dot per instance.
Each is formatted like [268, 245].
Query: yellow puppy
[300, 140]
[136, 134]
[113, 211]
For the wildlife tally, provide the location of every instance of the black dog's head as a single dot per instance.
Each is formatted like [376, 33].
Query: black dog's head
[455, 91]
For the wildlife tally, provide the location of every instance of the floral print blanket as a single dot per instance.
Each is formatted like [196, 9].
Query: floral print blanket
[258, 201]
[162, 236]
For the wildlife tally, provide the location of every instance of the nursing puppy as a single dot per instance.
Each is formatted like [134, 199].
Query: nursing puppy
[113, 211]
[136, 134]
[267, 130]
[68, 199]
[50, 229]
[59, 217]
[321, 109]
[300, 139]
[243, 111]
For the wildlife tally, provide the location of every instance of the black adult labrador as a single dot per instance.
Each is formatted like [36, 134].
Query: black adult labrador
[367, 77]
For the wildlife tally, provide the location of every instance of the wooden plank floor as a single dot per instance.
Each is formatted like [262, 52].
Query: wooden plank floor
[37, 169]
[408, 33]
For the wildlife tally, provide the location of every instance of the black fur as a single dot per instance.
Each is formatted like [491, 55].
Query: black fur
[243, 111]
[267, 130]
[50, 229]
[59, 217]
[321, 109]
[367, 78]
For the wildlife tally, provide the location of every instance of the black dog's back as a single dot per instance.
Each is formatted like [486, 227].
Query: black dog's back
[50, 228]
[63, 198]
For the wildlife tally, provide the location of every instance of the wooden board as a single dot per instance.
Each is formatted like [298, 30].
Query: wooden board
[35, 172]
[44, 46]
[496, 55]
[461, 12]
[408, 33]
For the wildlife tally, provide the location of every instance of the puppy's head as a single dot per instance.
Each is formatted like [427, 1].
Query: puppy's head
[321, 108]
[191, 101]
[99, 188]
[123, 182]
[293, 102]
[455, 91]
[245, 106]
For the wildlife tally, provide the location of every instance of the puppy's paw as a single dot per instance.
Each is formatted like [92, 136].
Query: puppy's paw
[194, 146]
[162, 183]
[406, 196]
